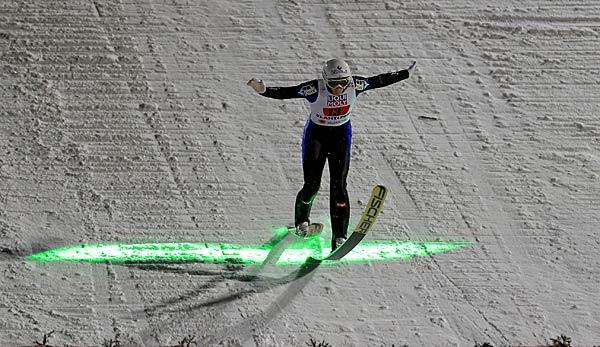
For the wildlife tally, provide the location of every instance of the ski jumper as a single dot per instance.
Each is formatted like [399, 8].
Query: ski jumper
[328, 137]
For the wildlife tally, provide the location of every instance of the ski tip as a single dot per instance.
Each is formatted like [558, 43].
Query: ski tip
[380, 187]
[380, 191]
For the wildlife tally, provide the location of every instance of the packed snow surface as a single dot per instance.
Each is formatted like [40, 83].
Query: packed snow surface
[130, 121]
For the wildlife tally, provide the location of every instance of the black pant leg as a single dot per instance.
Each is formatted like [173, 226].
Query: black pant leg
[314, 156]
[339, 164]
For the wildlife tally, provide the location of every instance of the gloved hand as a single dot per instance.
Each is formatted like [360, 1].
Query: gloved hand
[258, 85]
[411, 66]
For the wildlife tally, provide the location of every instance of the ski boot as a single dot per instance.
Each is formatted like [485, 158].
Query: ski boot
[306, 230]
[337, 242]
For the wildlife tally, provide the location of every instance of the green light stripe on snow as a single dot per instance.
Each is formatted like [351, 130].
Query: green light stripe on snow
[366, 251]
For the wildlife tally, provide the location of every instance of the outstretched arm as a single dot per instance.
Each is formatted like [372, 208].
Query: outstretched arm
[383, 80]
[304, 90]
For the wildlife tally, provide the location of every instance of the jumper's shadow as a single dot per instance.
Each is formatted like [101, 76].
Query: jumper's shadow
[249, 282]
[245, 329]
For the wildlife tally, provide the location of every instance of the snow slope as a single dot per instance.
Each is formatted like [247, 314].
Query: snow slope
[129, 121]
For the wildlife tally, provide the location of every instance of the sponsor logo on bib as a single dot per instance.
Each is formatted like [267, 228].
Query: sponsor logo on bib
[337, 100]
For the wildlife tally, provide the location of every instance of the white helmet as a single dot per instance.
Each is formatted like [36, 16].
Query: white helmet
[336, 69]
[337, 72]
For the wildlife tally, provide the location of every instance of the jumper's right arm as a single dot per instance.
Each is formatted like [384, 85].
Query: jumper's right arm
[304, 90]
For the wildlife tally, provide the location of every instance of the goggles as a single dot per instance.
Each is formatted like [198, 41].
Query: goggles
[339, 82]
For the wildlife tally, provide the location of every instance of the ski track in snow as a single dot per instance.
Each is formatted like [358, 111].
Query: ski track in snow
[131, 121]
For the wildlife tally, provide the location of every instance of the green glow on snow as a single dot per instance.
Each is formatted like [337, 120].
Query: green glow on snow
[296, 253]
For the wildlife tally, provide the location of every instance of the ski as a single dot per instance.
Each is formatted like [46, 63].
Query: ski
[280, 244]
[367, 219]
